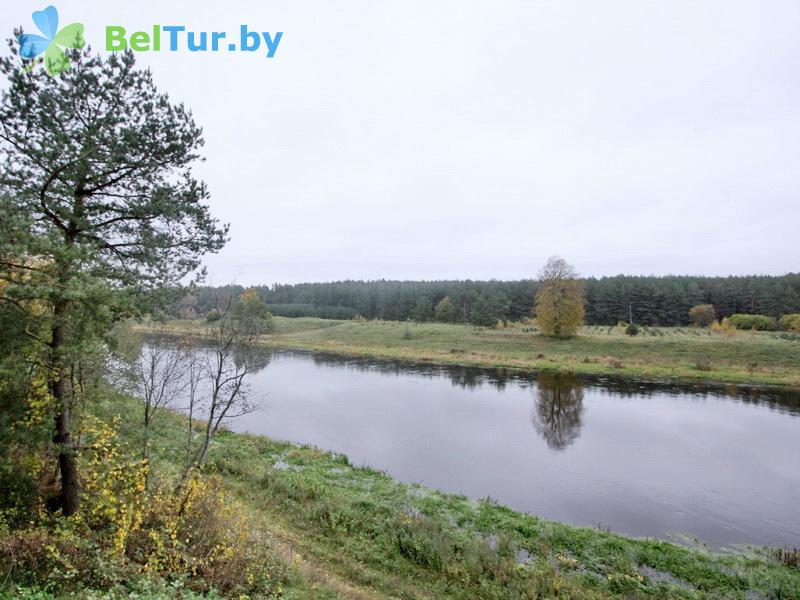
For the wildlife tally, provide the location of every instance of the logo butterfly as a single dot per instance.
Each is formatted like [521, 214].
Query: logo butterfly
[51, 41]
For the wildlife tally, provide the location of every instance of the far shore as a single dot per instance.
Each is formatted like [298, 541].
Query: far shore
[681, 354]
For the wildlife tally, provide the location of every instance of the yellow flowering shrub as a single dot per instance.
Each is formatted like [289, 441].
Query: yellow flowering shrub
[724, 327]
[202, 531]
[114, 486]
[196, 533]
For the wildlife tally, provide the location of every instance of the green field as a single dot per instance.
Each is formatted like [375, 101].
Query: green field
[679, 353]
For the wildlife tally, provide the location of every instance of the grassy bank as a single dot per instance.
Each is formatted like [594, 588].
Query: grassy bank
[749, 357]
[333, 530]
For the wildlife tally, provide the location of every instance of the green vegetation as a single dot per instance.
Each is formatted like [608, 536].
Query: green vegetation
[253, 314]
[108, 496]
[446, 311]
[747, 357]
[559, 301]
[790, 322]
[652, 301]
[98, 204]
[632, 329]
[309, 310]
[304, 523]
[703, 315]
[756, 322]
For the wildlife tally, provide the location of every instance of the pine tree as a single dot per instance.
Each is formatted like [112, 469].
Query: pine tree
[98, 187]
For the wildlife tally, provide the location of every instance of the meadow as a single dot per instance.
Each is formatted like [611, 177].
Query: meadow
[664, 353]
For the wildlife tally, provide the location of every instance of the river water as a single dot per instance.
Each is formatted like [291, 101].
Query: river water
[720, 465]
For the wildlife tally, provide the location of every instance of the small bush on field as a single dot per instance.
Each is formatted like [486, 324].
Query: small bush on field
[790, 322]
[632, 329]
[754, 322]
[724, 327]
[702, 315]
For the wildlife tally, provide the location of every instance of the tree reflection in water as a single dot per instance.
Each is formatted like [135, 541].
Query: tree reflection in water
[556, 416]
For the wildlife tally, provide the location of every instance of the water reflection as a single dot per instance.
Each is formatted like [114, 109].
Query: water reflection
[645, 458]
[257, 359]
[556, 415]
[472, 378]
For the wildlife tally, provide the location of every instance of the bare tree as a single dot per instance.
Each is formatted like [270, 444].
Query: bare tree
[227, 363]
[160, 375]
[194, 374]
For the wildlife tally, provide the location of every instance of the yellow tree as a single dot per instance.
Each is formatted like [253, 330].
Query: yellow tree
[559, 301]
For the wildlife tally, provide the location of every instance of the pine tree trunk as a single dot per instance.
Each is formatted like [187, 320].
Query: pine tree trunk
[63, 434]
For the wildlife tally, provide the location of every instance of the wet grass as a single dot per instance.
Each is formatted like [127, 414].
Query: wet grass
[682, 353]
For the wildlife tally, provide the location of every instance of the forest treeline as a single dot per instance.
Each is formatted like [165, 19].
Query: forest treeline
[650, 300]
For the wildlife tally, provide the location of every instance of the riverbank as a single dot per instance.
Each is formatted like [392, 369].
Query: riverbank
[334, 530]
[661, 353]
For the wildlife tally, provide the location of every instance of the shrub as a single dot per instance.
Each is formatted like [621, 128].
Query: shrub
[213, 315]
[790, 322]
[702, 315]
[756, 322]
[198, 534]
[632, 329]
[724, 327]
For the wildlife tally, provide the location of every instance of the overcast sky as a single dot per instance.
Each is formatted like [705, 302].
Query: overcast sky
[432, 139]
